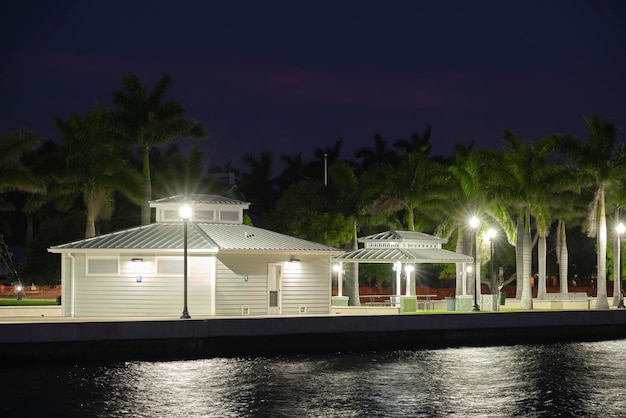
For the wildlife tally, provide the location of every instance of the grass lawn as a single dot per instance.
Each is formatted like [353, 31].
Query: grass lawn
[12, 301]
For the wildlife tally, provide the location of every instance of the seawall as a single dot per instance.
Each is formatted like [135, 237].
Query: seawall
[81, 340]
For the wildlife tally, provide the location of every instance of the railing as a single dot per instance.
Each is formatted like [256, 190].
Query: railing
[423, 301]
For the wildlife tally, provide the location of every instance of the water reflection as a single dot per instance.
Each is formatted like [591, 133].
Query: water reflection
[577, 379]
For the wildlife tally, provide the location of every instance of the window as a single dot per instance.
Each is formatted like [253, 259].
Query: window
[229, 216]
[170, 266]
[171, 215]
[102, 266]
[204, 215]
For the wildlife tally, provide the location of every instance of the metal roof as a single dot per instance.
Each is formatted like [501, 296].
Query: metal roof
[157, 236]
[245, 237]
[390, 255]
[200, 237]
[403, 246]
[207, 199]
[402, 236]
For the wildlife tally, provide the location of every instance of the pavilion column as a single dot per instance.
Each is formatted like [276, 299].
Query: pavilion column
[464, 279]
[340, 299]
[408, 269]
[340, 280]
[398, 268]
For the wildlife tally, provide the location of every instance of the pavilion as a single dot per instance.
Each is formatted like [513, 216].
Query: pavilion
[403, 250]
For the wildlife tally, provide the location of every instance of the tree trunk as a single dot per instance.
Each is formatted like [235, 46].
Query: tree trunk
[410, 219]
[460, 271]
[617, 288]
[541, 266]
[519, 261]
[601, 301]
[563, 259]
[147, 189]
[29, 229]
[90, 225]
[353, 291]
[527, 293]
[477, 269]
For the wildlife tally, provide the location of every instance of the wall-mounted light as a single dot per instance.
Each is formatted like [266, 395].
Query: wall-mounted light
[293, 259]
[136, 260]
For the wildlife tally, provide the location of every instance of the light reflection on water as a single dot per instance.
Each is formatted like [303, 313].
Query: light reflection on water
[574, 379]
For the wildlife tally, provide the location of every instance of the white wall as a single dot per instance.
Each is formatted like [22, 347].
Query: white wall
[122, 295]
[241, 286]
[304, 285]
[236, 291]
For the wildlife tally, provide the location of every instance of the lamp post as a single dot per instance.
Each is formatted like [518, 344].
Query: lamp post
[185, 213]
[620, 228]
[474, 222]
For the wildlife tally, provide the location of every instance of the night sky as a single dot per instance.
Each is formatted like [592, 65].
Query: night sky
[298, 75]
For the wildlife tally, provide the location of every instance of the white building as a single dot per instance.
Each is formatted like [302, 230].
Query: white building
[233, 269]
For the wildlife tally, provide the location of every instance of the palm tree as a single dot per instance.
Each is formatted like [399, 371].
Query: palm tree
[178, 173]
[322, 159]
[293, 172]
[257, 183]
[14, 174]
[417, 143]
[379, 153]
[95, 167]
[419, 185]
[470, 172]
[344, 190]
[522, 185]
[603, 157]
[148, 119]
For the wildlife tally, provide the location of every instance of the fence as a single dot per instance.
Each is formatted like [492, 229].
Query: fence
[31, 291]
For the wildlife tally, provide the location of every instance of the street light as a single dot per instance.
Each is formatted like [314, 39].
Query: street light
[489, 236]
[474, 222]
[185, 213]
[620, 228]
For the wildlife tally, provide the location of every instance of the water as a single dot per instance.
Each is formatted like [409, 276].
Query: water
[557, 380]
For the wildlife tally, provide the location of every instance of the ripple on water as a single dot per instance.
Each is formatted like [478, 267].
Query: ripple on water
[573, 379]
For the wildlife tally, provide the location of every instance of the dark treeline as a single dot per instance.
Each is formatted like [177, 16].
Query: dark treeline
[107, 164]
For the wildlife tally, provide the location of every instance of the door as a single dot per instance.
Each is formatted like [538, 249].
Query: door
[274, 274]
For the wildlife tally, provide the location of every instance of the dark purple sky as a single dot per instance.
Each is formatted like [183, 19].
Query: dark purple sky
[293, 76]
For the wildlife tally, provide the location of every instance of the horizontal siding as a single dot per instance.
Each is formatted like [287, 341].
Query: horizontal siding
[307, 284]
[303, 284]
[122, 295]
[234, 293]
[66, 288]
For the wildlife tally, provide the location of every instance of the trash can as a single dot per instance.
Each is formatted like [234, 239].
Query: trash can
[450, 304]
[502, 298]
